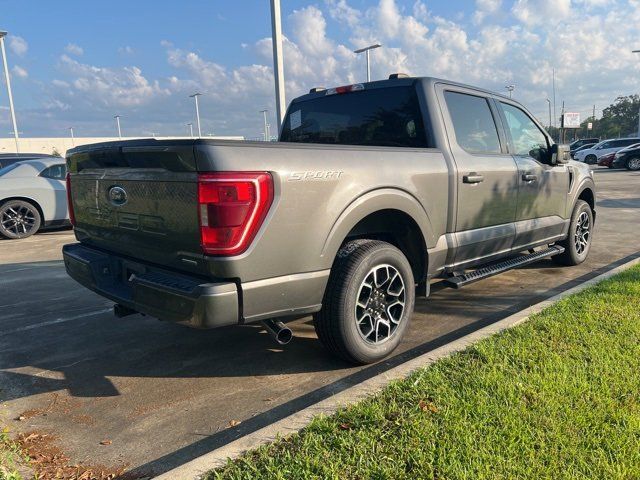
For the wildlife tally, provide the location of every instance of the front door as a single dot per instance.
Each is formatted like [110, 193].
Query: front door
[487, 180]
[542, 187]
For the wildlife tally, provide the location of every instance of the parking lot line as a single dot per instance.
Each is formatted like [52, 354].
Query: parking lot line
[56, 321]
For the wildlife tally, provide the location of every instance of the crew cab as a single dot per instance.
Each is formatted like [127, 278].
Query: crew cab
[372, 192]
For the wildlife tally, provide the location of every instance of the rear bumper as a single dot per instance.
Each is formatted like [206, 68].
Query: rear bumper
[149, 290]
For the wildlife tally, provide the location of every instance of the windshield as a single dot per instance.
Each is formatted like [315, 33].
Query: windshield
[8, 168]
[381, 117]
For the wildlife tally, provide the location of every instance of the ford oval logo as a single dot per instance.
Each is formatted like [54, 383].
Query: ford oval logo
[117, 196]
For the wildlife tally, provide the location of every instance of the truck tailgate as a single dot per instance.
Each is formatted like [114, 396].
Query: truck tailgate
[139, 199]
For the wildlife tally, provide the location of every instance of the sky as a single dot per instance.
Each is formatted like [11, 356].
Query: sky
[77, 63]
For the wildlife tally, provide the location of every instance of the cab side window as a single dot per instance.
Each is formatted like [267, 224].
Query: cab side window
[528, 139]
[473, 123]
[56, 172]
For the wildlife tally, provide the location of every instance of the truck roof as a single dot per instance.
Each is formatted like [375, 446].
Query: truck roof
[399, 82]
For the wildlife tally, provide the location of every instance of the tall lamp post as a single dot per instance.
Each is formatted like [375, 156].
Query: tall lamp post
[190, 125]
[278, 68]
[195, 97]
[266, 125]
[366, 52]
[73, 140]
[117, 117]
[632, 51]
[8, 82]
[550, 119]
[510, 89]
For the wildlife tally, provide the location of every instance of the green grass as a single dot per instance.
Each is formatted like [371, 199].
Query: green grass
[555, 398]
[11, 458]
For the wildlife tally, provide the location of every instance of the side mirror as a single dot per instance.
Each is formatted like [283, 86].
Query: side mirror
[559, 154]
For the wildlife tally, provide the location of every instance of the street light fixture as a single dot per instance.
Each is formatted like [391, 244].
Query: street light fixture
[117, 117]
[190, 125]
[8, 82]
[510, 89]
[366, 51]
[195, 97]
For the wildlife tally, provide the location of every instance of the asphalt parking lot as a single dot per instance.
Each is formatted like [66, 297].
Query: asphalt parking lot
[160, 394]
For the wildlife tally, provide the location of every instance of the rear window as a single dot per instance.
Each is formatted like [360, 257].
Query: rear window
[8, 168]
[388, 117]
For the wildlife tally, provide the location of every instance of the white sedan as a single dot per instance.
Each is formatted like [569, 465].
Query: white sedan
[33, 195]
[591, 155]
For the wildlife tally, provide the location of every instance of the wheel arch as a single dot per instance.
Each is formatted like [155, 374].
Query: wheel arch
[390, 215]
[28, 200]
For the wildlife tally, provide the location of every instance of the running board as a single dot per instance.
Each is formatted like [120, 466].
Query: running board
[485, 272]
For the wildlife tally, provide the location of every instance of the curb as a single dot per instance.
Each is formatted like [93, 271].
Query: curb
[197, 467]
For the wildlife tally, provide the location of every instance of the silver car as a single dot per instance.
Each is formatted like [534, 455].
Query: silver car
[33, 196]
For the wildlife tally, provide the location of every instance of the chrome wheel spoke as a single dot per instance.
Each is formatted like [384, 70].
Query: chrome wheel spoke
[380, 304]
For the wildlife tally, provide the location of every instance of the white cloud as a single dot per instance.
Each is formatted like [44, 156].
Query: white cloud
[486, 8]
[539, 12]
[74, 49]
[20, 72]
[126, 50]
[18, 45]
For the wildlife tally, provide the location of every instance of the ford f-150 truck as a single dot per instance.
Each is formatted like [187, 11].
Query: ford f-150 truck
[373, 191]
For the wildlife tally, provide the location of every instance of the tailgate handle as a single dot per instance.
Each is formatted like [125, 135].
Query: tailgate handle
[473, 177]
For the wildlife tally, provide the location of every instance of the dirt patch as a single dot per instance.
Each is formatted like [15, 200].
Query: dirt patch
[48, 461]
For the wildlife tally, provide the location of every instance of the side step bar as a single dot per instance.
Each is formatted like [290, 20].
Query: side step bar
[485, 272]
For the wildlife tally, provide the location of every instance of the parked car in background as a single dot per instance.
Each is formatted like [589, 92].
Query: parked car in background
[579, 149]
[628, 158]
[7, 159]
[573, 146]
[591, 155]
[33, 196]
[606, 160]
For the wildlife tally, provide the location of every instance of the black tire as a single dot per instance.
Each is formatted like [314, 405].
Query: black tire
[633, 164]
[575, 254]
[589, 159]
[337, 323]
[19, 219]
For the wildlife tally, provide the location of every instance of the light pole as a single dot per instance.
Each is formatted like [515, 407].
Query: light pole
[266, 125]
[366, 51]
[278, 69]
[8, 81]
[73, 141]
[549, 102]
[510, 89]
[195, 97]
[190, 125]
[632, 51]
[117, 117]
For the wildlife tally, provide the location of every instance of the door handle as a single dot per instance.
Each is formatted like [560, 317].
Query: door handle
[529, 177]
[473, 177]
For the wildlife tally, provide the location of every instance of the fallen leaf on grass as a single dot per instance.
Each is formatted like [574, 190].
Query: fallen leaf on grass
[345, 426]
[427, 406]
[106, 442]
[234, 423]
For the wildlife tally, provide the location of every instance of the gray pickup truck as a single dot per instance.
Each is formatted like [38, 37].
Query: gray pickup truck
[373, 191]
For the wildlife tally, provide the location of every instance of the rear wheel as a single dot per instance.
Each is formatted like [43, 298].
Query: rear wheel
[590, 159]
[368, 302]
[19, 219]
[633, 163]
[578, 242]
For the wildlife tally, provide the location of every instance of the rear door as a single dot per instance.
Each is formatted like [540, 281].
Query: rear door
[542, 188]
[487, 183]
[139, 199]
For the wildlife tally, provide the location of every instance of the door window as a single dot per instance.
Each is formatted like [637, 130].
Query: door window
[528, 139]
[473, 123]
[57, 172]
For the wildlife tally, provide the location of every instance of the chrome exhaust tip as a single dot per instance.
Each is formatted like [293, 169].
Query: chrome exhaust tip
[278, 330]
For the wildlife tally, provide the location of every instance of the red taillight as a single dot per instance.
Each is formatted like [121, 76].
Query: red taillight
[72, 216]
[356, 87]
[232, 207]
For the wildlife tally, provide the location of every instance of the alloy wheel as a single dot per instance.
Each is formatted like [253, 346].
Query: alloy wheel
[380, 304]
[583, 233]
[634, 163]
[17, 219]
